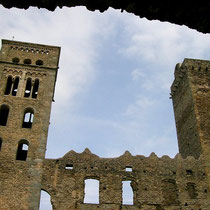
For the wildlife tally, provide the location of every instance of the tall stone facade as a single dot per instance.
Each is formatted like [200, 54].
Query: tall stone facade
[27, 76]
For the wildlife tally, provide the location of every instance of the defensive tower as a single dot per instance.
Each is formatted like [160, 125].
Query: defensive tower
[27, 76]
[191, 101]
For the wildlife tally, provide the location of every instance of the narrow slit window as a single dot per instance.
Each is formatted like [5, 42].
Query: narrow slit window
[28, 88]
[4, 112]
[69, 166]
[28, 118]
[91, 191]
[22, 150]
[128, 169]
[15, 86]
[127, 195]
[8, 86]
[35, 88]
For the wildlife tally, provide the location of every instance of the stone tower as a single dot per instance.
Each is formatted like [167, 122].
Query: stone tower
[191, 101]
[27, 77]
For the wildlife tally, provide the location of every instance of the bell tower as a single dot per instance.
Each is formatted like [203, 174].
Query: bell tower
[27, 77]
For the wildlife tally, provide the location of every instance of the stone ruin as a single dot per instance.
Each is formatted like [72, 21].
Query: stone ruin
[28, 75]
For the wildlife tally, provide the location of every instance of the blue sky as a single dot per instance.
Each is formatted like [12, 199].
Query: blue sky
[113, 85]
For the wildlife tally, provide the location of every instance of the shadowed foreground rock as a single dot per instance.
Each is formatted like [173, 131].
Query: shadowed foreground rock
[194, 14]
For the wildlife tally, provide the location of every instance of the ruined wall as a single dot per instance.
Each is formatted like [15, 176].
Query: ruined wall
[157, 183]
[192, 14]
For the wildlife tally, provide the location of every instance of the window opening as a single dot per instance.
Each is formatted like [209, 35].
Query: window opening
[28, 88]
[35, 88]
[127, 195]
[4, 112]
[128, 169]
[22, 150]
[189, 172]
[27, 61]
[9, 86]
[15, 86]
[39, 62]
[69, 166]
[45, 201]
[28, 118]
[91, 191]
[15, 60]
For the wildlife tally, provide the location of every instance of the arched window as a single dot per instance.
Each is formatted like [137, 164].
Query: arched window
[9, 85]
[28, 118]
[22, 150]
[39, 62]
[28, 88]
[27, 61]
[127, 196]
[15, 86]
[4, 112]
[0, 143]
[15, 60]
[91, 191]
[45, 201]
[35, 88]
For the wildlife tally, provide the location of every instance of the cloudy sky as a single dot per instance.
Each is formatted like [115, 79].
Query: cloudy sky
[112, 91]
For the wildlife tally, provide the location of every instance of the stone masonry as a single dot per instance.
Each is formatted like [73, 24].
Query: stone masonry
[28, 75]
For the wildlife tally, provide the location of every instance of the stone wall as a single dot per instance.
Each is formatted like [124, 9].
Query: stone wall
[157, 183]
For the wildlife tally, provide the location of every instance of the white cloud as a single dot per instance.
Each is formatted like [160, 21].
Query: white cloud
[163, 43]
[76, 31]
[141, 105]
[137, 74]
